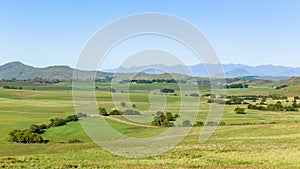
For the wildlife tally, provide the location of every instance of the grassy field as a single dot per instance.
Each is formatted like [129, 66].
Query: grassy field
[271, 141]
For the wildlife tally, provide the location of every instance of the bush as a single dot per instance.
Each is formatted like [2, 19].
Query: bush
[239, 110]
[102, 111]
[186, 123]
[199, 123]
[115, 112]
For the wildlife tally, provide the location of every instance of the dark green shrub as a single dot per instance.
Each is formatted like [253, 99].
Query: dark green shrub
[115, 112]
[199, 123]
[102, 111]
[239, 110]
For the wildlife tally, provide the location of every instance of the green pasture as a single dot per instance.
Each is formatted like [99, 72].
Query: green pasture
[258, 139]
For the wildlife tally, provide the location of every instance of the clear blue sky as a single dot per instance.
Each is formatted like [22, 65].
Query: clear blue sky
[53, 32]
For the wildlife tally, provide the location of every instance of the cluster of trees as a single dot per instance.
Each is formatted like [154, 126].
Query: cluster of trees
[281, 86]
[166, 90]
[209, 123]
[33, 134]
[60, 121]
[295, 105]
[275, 107]
[103, 112]
[277, 97]
[26, 136]
[256, 107]
[239, 85]
[105, 79]
[46, 81]
[12, 87]
[154, 81]
[232, 101]
[164, 119]
[11, 80]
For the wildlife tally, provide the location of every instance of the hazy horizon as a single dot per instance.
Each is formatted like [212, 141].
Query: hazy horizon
[1, 64]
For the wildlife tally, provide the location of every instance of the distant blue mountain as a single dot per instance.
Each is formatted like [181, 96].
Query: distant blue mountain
[230, 70]
[21, 71]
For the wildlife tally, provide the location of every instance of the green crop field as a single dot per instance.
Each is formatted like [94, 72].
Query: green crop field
[257, 139]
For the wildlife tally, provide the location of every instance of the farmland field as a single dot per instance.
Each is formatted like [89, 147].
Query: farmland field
[257, 139]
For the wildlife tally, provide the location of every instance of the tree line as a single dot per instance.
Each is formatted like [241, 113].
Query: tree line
[33, 134]
[275, 107]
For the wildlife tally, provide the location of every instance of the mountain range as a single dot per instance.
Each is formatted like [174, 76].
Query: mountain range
[230, 70]
[19, 70]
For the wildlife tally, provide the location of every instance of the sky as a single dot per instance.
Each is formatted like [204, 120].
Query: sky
[53, 32]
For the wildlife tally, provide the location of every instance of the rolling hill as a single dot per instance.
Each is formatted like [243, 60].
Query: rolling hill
[19, 70]
[280, 74]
